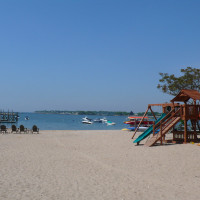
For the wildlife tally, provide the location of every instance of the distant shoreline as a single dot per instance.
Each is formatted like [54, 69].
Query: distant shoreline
[96, 113]
[99, 113]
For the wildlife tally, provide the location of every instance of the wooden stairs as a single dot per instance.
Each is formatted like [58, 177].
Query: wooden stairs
[163, 130]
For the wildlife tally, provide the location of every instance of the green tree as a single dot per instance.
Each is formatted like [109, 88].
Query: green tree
[171, 84]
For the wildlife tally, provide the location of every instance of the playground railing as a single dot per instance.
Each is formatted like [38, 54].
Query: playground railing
[161, 125]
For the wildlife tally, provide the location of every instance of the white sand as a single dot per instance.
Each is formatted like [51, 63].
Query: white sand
[95, 165]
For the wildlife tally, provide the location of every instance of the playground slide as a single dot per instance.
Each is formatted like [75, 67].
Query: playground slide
[149, 130]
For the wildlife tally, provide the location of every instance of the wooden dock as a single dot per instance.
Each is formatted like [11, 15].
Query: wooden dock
[8, 117]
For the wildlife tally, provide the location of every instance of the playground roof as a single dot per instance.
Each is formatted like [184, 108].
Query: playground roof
[185, 95]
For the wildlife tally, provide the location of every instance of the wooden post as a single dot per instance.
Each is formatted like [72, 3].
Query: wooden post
[195, 132]
[185, 123]
[161, 139]
[153, 128]
[198, 125]
[135, 124]
[140, 122]
[185, 131]
[153, 113]
[196, 117]
[163, 109]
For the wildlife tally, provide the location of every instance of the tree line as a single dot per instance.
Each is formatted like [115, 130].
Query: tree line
[101, 113]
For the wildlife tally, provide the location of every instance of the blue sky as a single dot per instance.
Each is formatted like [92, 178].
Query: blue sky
[93, 55]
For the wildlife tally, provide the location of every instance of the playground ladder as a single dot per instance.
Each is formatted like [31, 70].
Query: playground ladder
[165, 129]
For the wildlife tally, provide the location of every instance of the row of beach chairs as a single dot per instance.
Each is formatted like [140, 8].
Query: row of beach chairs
[21, 129]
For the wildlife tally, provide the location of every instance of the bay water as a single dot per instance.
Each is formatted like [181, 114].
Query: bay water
[67, 122]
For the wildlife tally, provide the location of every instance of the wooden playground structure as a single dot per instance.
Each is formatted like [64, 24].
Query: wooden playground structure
[183, 108]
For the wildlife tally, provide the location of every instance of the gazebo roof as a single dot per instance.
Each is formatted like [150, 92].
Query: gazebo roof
[185, 95]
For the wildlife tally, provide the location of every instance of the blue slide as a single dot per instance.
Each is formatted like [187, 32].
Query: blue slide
[149, 130]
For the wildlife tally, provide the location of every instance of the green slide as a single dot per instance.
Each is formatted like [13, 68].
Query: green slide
[149, 130]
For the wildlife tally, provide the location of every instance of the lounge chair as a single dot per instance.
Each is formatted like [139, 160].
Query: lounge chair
[14, 129]
[3, 129]
[22, 129]
[35, 129]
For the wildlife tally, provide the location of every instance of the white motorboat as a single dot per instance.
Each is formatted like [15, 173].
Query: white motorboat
[87, 122]
[98, 120]
[104, 119]
[26, 118]
[86, 118]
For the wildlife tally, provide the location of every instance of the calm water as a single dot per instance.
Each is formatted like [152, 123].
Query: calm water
[67, 122]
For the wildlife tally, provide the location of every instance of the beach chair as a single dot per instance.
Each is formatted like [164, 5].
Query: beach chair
[14, 129]
[22, 129]
[35, 129]
[3, 129]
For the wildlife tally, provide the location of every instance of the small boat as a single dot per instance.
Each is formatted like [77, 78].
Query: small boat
[17, 117]
[110, 123]
[104, 119]
[86, 118]
[142, 128]
[26, 118]
[125, 129]
[98, 120]
[135, 120]
[87, 122]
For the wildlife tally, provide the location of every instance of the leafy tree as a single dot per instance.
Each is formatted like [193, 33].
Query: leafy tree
[171, 84]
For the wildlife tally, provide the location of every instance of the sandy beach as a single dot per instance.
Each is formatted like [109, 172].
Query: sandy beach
[88, 165]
